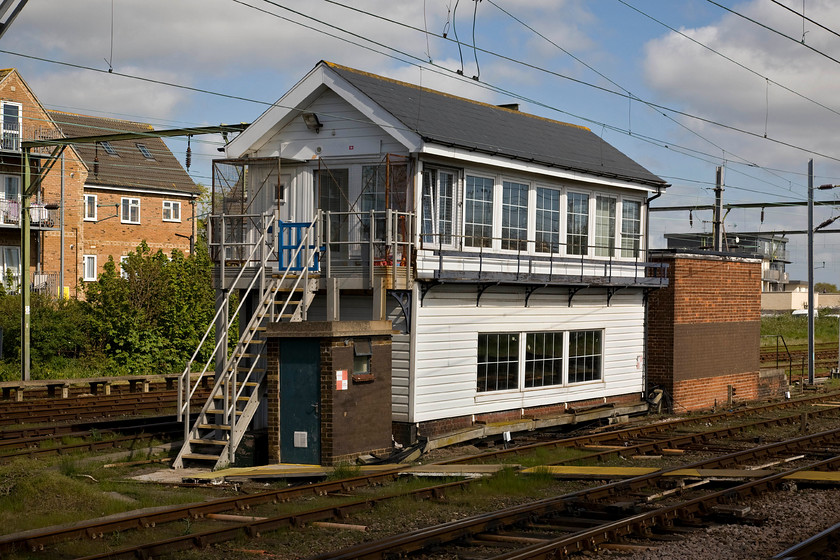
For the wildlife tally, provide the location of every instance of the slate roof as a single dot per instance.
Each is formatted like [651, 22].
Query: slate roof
[129, 168]
[448, 120]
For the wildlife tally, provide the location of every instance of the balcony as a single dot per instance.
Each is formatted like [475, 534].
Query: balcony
[12, 136]
[776, 276]
[43, 215]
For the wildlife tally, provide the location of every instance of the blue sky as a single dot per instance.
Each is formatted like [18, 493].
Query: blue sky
[554, 57]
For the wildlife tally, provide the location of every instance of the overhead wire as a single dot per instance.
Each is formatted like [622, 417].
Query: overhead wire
[242, 98]
[773, 30]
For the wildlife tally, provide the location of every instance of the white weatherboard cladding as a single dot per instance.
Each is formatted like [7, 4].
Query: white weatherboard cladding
[346, 132]
[446, 338]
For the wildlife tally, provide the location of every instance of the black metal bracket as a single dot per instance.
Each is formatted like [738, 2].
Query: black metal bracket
[573, 291]
[424, 289]
[611, 292]
[529, 290]
[483, 288]
[403, 298]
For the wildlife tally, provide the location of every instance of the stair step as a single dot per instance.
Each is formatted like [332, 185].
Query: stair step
[220, 442]
[224, 427]
[200, 457]
[214, 411]
[259, 329]
[238, 399]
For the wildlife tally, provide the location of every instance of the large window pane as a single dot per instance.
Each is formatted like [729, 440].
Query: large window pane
[548, 220]
[604, 226]
[498, 362]
[631, 228]
[585, 356]
[514, 215]
[543, 359]
[478, 212]
[373, 198]
[577, 227]
[438, 203]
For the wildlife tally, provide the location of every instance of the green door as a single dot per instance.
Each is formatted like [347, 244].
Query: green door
[300, 398]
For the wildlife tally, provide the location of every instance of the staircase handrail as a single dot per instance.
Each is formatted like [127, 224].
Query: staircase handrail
[255, 319]
[185, 392]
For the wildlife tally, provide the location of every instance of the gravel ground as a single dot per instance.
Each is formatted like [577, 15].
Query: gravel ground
[792, 516]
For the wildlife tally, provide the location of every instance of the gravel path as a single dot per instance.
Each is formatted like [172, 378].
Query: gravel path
[792, 516]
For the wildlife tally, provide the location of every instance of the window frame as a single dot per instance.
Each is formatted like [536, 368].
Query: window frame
[635, 248]
[173, 204]
[127, 204]
[593, 357]
[522, 363]
[555, 245]
[87, 206]
[584, 243]
[599, 248]
[15, 135]
[509, 209]
[437, 221]
[85, 260]
[472, 240]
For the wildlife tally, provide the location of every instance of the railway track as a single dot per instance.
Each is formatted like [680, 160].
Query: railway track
[51, 411]
[630, 437]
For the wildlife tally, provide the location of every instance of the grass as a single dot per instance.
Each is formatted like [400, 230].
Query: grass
[38, 493]
[794, 329]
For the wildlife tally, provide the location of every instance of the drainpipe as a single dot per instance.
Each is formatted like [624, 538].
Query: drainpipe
[645, 320]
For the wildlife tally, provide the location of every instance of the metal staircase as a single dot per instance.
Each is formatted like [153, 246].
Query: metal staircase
[284, 294]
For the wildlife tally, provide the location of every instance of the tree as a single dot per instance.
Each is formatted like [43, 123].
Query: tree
[825, 288]
[152, 314]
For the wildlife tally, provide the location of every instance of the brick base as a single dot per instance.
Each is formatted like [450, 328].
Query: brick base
[708, 392]
[405, 433]
[772, 383]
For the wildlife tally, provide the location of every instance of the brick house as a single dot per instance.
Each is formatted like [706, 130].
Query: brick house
[99, 200]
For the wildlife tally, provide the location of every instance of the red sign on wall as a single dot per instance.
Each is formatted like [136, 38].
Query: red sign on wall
[341, 380]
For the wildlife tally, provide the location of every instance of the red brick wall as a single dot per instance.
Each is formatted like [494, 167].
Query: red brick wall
[107, 238]
[699, 394]
[704, 329]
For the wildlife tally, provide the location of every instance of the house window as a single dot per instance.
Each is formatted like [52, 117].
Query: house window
[514, 215]
[543, 359]
[604, 226]
[89, 262]
[373, 198]
[577, 223]
[9, 199]
[12, 118]
[90, 207]
[585, 356]
[438, 203]
[171, 211]
[130, 210]
[145, 151]
[547, 229]
[478, 212]
[498, 362]
[631, 228]
[10, 267]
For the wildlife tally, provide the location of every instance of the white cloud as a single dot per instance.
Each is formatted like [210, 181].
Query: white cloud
[85, 92]
[705, 84]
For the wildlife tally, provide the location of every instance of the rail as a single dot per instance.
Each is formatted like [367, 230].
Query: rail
[185, 389]
[500, 258]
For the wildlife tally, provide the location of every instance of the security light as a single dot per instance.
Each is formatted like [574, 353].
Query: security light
[312, 122]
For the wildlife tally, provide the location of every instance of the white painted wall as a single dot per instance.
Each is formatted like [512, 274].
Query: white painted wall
[446, 343]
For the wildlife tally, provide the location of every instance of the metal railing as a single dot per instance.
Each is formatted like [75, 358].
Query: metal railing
[41, 214]
[484, 256]
[367, 244]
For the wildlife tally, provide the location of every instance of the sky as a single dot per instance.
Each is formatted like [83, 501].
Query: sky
[681, 87]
